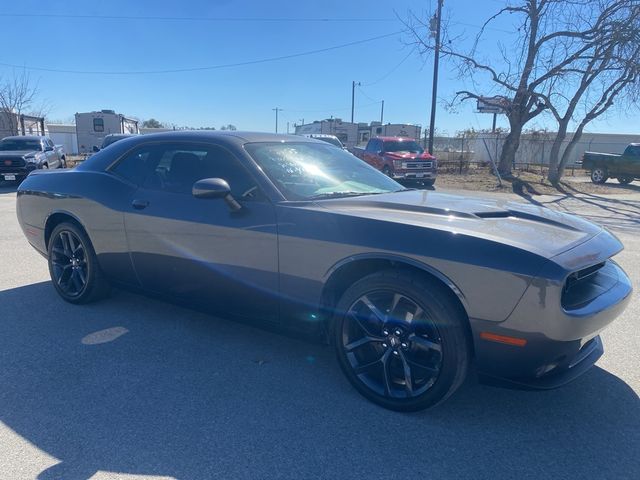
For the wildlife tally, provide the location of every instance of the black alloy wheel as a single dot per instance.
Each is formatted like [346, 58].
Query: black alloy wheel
[391, 344]
[73, 265]
[401, 340]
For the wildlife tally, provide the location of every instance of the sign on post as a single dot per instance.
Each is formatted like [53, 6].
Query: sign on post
[495, 105]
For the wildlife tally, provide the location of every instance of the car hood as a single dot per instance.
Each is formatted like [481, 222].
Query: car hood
[530, 227]
[409, 156]
[17, 153]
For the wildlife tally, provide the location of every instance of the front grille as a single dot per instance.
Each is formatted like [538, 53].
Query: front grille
[12, 162]
[417, 165]
[583, 286]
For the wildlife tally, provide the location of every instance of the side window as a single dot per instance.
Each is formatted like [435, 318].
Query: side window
[98, 124]
[634, 151]
[178, 166]
[136, 166]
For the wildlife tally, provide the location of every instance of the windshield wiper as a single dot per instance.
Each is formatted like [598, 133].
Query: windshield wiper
[341, 194]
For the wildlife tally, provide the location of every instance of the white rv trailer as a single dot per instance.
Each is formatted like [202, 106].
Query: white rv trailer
[92, 127]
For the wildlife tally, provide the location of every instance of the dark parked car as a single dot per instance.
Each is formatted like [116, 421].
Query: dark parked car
[20, 155]
[625, 167]
[410, 286]
[111, 139]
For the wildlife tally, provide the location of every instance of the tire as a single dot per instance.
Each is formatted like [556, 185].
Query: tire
[625, 180]
[375, 349]
[45, 166]
[599, 175]
[63, 163]
[73, 266]
[387, 171]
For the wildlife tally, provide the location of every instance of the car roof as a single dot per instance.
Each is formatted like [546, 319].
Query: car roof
[24, 137]
[397, 139]
[230, 138]
[318, 135]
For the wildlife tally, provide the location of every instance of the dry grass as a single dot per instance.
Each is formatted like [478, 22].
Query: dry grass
[527, 183]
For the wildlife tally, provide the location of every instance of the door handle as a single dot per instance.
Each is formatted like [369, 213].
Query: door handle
[140, 204]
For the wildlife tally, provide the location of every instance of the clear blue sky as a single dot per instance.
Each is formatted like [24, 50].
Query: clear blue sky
[310, 87]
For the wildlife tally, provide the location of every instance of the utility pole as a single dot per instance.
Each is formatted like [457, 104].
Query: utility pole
[435, 24]
[302, 121]
[287, 127]
[276, 110]
[381, 112]
[353, 96]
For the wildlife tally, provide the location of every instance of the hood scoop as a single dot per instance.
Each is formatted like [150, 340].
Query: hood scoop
[524, 216]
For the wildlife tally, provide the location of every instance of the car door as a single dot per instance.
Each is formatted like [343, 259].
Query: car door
[200, 250]
[52, 156]
[632, 161]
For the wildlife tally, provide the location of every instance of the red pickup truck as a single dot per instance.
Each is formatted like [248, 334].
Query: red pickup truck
[400, 158]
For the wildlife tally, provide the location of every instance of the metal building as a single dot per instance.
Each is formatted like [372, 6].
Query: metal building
[12, 123]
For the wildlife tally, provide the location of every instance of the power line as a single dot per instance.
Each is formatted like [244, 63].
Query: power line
[197, 69]
[197, 19]
[390, 71]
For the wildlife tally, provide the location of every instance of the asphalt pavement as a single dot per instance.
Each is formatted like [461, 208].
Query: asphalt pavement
[135, 388]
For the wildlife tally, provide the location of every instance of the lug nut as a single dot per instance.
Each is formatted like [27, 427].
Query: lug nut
[384, 345]
[404, 345]
[395, 352]
[398, 332]
[385, 332]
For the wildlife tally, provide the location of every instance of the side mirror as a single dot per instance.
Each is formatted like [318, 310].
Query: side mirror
[95, 149]
[215, 188]
[48, 149]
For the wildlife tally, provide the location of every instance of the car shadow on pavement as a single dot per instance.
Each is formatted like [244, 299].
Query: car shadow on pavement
[137, 386]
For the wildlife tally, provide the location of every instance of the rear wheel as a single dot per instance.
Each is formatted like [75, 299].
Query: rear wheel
[401, 340]
[625, 180]
[599, 175]
[73, 265]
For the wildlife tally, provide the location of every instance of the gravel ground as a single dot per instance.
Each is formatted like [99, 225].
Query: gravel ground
[135, 388]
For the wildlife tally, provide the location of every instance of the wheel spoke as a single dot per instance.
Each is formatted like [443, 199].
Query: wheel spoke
[412, 363]
[82, 276]
[375, 310]
[425, 343]
[386, 373]
[361, 342]
[368, 367]
[72, 245]
[408, 378]
[361, 324]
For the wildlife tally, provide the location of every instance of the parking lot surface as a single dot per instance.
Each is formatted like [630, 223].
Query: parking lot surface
[136, 388]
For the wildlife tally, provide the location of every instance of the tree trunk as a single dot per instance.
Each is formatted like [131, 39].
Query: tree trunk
[569, 150]
[509, 149]
[554, 156]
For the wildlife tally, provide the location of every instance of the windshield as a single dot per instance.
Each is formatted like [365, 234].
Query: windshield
[8, 145]
[402, 146]
[331, 140]
[108, 140]
[305, 171]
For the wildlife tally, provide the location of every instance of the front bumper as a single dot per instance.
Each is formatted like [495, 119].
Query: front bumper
[19, 173]
[413, 175]
[560, 344]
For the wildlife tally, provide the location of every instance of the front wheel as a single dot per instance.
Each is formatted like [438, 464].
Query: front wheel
[73, 265]
[401, 340]
[599, 175]
[387, 171]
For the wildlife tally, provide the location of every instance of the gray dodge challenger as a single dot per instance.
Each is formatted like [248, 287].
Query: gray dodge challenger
[412, 288]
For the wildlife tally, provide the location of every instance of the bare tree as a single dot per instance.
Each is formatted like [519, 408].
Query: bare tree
[603, 74]
[550, 38]
[17, 96]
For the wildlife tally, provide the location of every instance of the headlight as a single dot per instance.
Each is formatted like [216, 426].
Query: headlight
[397, 164]
[29, 158]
